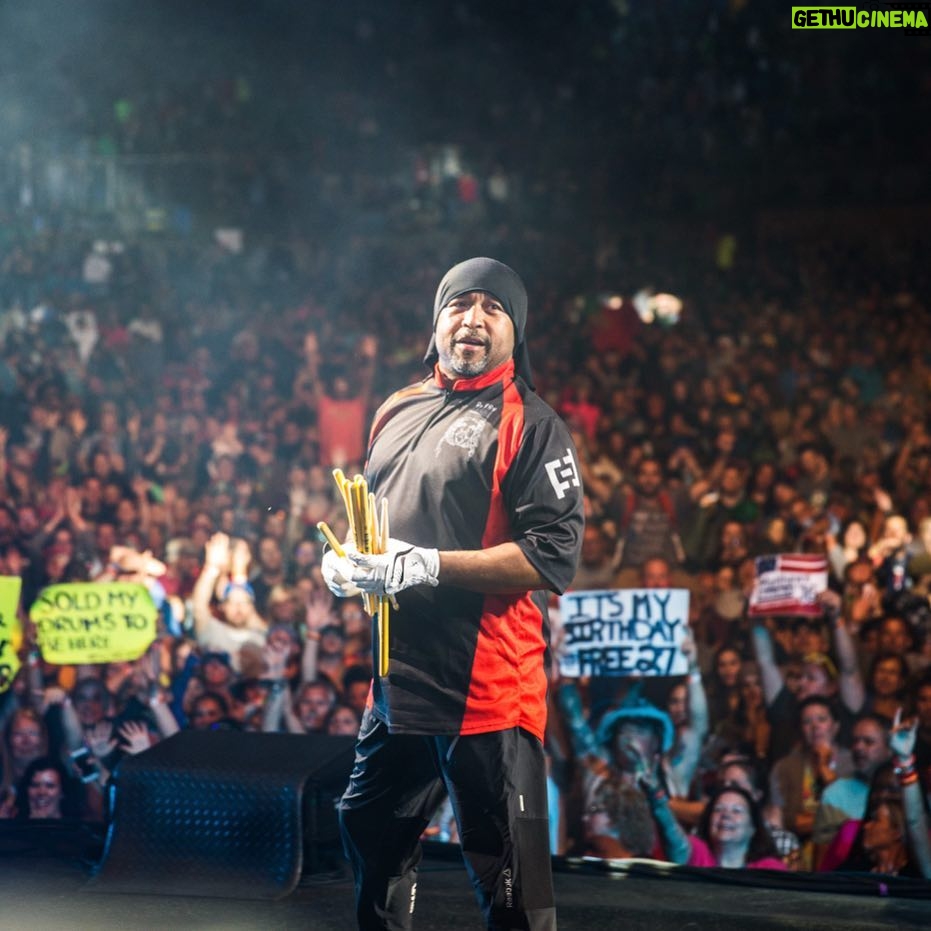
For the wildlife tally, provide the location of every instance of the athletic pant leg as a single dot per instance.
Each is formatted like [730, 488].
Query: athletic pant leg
[393, 791]
[497, 785]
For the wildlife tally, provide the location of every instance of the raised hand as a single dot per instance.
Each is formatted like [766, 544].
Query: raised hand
[831, 602]
[368, 346]
[319, 610]
[902, 736]
[883, 500]
[135, 737]
[99, 739]
[241, 558]
[218, 551]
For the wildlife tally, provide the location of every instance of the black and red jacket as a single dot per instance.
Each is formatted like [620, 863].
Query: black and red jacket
[467, 467]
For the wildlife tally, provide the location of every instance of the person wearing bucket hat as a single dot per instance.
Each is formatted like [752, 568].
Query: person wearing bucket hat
[626, 748]
[485, 500]
[636, 709]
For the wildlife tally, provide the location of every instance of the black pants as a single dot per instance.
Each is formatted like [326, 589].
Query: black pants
[497, 785]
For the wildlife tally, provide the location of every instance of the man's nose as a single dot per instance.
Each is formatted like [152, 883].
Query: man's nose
[475, 315]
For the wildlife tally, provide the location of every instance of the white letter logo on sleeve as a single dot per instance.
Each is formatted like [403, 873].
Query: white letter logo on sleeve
[563, 474]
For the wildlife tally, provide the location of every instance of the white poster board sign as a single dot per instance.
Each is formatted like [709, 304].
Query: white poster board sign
[625, 632]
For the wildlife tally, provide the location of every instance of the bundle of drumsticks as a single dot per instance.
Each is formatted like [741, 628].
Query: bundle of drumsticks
[369, 528]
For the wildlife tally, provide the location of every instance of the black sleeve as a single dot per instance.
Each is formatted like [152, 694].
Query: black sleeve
[543, 492]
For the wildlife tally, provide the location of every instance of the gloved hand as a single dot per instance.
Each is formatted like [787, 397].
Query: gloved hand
[403, 566]
[337, 573]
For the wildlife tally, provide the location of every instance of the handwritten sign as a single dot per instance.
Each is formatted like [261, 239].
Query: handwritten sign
[629, 632]
[89, 622]
[10, 634]
[788, 584]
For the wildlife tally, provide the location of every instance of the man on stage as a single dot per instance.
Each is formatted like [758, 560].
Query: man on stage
[485, 504]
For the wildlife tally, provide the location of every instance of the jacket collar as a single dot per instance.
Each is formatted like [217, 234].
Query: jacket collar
[504, 372]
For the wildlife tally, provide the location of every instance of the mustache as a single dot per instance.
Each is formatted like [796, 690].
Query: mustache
[465, 334]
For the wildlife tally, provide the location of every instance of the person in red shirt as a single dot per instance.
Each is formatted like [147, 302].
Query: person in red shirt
[485, 503]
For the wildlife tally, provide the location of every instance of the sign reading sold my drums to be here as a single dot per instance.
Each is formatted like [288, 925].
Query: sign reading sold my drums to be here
[91, 622]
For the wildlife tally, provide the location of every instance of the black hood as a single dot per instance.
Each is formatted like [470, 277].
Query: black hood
[500, 282]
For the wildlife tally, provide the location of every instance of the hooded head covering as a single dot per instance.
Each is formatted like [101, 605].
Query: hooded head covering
[500, 282]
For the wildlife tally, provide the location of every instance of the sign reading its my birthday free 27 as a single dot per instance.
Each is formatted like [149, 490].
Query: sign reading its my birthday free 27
[94, 622]
[625, 632]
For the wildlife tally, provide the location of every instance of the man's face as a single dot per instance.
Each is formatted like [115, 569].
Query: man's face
[649, 479]
[887, 677]
[357, 695]
[731, 481]
[594, 548]
[237, 608]
[894, 637]
[858, 575]
[895, 530]
[205, 714]
[28, 521]
[106, 538]
[270, 554]
[474, 335]
[89, 705]
[807, 638]
[25, 740]
[216, 673]
[814, 680]
[313, 706]
[655, 574]
[635, 741]
[809, 461]
[93, 490]
[869, 748]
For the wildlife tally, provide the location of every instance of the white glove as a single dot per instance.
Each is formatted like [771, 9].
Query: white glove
[337, 573]
[403, 566]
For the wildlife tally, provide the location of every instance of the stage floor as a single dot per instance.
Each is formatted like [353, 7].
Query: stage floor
[40, 891]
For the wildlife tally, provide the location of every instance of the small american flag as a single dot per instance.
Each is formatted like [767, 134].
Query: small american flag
[788, 584]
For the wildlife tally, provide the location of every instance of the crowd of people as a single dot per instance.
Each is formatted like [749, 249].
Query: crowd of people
[700, 450]
[171, 408]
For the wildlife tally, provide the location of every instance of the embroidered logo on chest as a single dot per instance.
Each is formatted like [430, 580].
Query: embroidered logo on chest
[464, 433]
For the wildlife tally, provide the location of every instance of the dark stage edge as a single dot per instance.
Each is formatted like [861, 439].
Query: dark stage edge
[38, 891]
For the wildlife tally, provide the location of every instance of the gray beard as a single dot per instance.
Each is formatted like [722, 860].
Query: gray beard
[463, 368]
